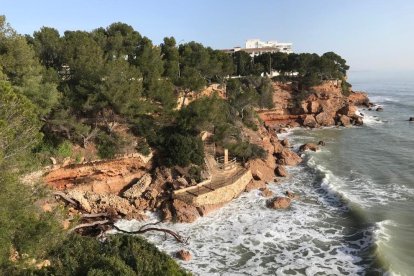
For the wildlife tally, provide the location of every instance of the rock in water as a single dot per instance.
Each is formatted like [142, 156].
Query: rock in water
[281, 171]
[308, 146]
[184, 255]
[379, 109]
[279, 203]
[285, 143]
[184, 212]
[291, 195]
[345, 120]
[288, 157]
[411, 119]
[266, 192]
[321, 143]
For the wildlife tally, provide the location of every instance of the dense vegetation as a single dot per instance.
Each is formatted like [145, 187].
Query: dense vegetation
[60, 91]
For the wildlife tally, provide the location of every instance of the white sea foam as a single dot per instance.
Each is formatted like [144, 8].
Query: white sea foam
[246, 238]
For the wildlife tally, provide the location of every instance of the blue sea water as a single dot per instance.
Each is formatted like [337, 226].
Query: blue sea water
[356, 211]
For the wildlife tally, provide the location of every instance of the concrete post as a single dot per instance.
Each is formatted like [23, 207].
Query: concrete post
[226, 156]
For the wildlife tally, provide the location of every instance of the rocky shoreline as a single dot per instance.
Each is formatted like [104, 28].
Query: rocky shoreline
[131, 185]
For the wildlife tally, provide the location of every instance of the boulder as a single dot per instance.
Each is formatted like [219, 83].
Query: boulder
[345, 120]
[293, 124]
[208, 208]
[262, 170]
[379, 109]
[348, 110]
[309, 146]
[184, 255]
[325, 119]
[184, 212]
[141, 203]
[98, 203]
[285, 143]
[310, 121]
[411, 119]
[291, 195]
[277, 146]
[254, 185]
[281, 171]
[321, 143]
[266, 192]
[358, 121]
[166, 214]
[138, 188]
[288, 157]
[279, 203]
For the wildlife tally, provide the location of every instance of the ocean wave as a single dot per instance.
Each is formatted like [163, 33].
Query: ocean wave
[383, 99]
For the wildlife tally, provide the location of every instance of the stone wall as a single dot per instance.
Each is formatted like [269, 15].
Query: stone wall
[221, 194]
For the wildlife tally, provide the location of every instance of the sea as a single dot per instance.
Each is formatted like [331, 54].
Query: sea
[355, 215]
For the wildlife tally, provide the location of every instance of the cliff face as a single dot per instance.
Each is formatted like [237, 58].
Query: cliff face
[322, 105]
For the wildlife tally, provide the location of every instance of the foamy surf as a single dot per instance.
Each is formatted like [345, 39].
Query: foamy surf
[247, 238]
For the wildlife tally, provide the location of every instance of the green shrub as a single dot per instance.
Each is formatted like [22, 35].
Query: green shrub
[117, 255]
[64, 149]
[108, 145]
[246, 151]
[183, 150]
[143, 148]
[195, 173]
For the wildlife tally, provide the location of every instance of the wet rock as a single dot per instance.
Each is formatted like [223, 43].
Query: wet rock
[309, 146]
[207, 209]
[291, 195]
[262, 170]
[358, 121]
[166, 213]
[254, 185]
[411, 119]
[321, 143]
[285, 143]
[288, 158]
[379, 109]
[345, 120]
[293, 124]
[281, 171]
[279, 203]
[138, 188]
[266, 192]
[310, 121]
[184, 212]
[184, 255]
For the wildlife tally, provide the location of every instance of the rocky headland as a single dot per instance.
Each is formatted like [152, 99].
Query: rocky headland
[131, 185]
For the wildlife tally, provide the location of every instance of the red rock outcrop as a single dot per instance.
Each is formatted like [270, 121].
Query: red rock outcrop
[309, 146]
[279, 203]
[321, 107]
[288, 158]
[183, 212]
[184, 255]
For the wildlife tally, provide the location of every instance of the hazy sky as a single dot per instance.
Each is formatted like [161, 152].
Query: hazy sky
[369, 34]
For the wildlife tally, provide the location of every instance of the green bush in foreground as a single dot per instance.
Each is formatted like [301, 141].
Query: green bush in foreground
[118, 255]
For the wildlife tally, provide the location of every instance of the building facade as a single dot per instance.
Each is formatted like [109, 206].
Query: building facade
[255, 47]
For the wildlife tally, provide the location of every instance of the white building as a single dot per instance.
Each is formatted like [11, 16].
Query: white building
[257, 47]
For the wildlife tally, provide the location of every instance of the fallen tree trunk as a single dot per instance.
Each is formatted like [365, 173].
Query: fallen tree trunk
[143, 230]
